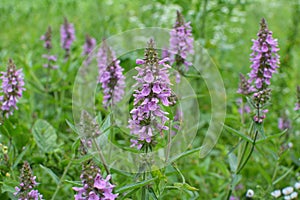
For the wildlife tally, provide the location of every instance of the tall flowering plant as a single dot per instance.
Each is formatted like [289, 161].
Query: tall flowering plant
[12, 88]
[89, 45]
[47, 38]
[67, 34]
[26, 189]
[110, 76]
[264, 63]
[181, 44]
[147, 116]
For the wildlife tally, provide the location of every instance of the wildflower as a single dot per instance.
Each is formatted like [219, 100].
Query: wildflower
[297, 185]
[294, 195]
[242, 108]
[297, 106]
[26, 189]
[181, 43]
[276, 193]
[12, 88]
[287, 190]
[250, 193]
[264, 58]
[47, 37]
[245, 87]
[287, 197]
[147, 116]
[233, 198]
[110, 76]
[94, 185]
[88, 47]
[284, 123]
[67, 34]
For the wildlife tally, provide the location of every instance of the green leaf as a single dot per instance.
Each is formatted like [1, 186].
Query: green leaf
[76, 183]
[152, 193]
[259, 127]
[51, 173]
[231, 130]
[189, 187]
[106, 124]
[44, 135]
[9, 187]
[271, 137]
[233, 161]
[19, 158]
[283, 176]
[186, 153]
[83, 159]
[73, 127]
[135, 185]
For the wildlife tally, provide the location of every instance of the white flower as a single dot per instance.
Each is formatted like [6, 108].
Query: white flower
[297, 185]
[290, 145]
[276, 193]
[294, 195]
[287, 190]
[250, 193]
[287, 197]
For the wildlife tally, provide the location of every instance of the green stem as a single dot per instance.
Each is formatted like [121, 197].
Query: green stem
[59, 185]
[102, 158]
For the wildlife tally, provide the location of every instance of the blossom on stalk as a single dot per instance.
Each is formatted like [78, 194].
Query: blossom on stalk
[26, 189]
[181, 43]
[147, 116]
[264, 58]
[111, 76]
[265, 61]
[47, 37]
[245, 87]
[88, 47]
[67, 34]
[12, 88]
[297, 106]
[95, 186]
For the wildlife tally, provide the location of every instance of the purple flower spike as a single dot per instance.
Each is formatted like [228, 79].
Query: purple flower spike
[88, 47]
[244, 86]
[95, 187]
[264, 58]
[12, 88]
[48, 46]
[181, 43]
[26, 189]
[67, 34]
[147, 116]
[110, 76]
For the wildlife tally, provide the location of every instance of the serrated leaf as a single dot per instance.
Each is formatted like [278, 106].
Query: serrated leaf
[135, 185]
[51, 173]
[44, 135]
[231, 130]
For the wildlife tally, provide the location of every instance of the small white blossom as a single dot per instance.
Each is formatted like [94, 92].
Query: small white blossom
[276, 193]
[250, 193]
[290, 145]
[294, 195]
[287, 197]
[297, 185]
[287, 190]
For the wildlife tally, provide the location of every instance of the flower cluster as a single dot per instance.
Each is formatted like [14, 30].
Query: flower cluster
[288, 192]
[110, 75]
[181, 43]
[26, 189]
[154, 89]
[245, 87]
[12, 88]
[47, 37]
[265, 61]
[264, 58]
[67, 34]
[95, 187]
[297, 106]
[88, 47]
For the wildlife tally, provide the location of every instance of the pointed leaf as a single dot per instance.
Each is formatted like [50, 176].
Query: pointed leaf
[51, 173]
[231, 130]
[134, 185]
